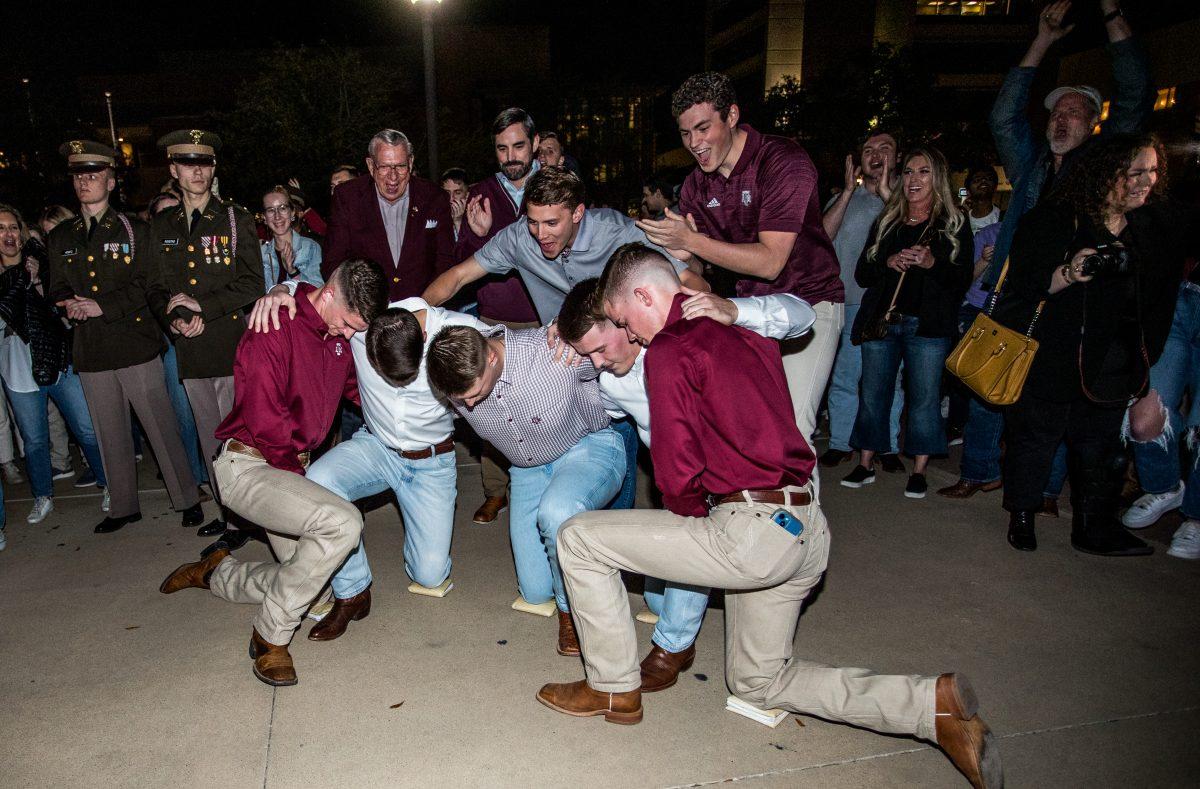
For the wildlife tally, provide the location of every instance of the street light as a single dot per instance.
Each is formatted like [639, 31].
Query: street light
[112, 128]
[430, 83]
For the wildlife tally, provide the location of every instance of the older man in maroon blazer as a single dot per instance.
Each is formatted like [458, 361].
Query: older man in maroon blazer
[392, 217]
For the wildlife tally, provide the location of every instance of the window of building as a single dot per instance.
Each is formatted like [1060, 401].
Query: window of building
[963, 7]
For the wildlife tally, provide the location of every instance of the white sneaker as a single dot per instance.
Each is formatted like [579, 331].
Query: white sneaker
[1186, 542]
[106, 504]
[42, 506]
[1151, 506]
[3, 540]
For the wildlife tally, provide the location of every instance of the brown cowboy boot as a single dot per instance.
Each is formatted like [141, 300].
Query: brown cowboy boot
[578, 699]
[193, 575]
[272, 663]
[568, 642]
[341, 615]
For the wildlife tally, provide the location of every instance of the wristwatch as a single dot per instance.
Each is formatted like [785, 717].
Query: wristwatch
[1111, 15]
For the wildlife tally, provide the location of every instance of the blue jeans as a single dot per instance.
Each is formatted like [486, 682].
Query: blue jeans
[923, 357]
[843, 391]
[34, 423]
[1177, 371]
[628, 495]
[541, 498]
[425, 489]
[680, 609]
[183, 416]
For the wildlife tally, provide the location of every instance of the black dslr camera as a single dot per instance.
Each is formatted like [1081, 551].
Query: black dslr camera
[1108, 259]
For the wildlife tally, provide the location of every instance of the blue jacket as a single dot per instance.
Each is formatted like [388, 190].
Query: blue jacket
[308, 261]
[1025, 153]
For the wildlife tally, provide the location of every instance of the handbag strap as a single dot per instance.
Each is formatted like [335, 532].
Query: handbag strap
[896, 294]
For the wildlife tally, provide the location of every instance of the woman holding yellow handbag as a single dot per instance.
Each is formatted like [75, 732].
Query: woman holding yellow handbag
[1105, 257]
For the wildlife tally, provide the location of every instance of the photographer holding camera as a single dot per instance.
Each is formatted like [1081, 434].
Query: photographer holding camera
[1103, 257]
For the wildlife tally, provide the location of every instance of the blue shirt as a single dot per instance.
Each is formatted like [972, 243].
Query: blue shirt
[307, 262]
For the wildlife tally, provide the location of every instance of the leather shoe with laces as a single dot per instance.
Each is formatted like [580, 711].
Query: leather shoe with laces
[1021, 534]
[964, 489]
[193, 575]
[568, 641]
[660, 668]
[272, 663]
[341, 615]
[578, 699]
[963, 736]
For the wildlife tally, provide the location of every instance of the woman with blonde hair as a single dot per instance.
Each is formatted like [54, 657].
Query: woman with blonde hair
[916, 270]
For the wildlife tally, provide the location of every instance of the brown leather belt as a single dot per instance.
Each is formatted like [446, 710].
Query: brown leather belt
[233, 445]
[785, 498]
[428, 452]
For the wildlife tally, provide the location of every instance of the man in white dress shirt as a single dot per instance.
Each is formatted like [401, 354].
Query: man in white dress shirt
[582, 323]
[405, 445]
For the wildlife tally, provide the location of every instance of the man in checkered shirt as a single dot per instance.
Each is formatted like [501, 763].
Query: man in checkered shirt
[547, 418]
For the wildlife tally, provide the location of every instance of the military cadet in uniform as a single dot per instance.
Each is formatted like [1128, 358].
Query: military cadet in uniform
[206, 268]
[97, 273]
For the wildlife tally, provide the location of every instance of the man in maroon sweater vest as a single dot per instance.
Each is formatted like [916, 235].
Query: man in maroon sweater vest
[288, 384]
[734, 472]
[493, 204]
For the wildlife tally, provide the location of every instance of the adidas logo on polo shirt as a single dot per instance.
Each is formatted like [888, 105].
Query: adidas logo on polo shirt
[713, 203]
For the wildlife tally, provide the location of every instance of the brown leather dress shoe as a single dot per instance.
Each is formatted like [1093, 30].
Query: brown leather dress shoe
[578, 699]
[193, 575]
[568, 642]
[272, 664]
[660, 668]
[963, 735]
[965, 490]
[491, 507]
[341, 615]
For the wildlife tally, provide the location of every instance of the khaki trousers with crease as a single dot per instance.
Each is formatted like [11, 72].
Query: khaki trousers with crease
[767, 574]
[211, 400]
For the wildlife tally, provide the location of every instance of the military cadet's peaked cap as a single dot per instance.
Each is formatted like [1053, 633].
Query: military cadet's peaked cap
[85, 156]
[191, 146]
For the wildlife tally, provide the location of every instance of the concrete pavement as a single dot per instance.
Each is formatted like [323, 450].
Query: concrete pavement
[1087, 668]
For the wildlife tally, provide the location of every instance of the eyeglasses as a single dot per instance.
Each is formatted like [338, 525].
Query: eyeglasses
[88, 176]
[390, 169]
[278, 210]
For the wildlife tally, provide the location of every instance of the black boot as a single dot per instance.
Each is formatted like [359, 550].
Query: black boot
[1021, 533]
[1103, 535]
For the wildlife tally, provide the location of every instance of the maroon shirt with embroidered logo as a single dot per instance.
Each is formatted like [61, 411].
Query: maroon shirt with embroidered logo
[287, 386]
[773, 187]
[721, 412]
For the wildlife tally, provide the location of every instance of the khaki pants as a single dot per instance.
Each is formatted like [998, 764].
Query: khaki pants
[808, 361]
[767, 574]
[109, 395]
[211, 400]
[311, 531]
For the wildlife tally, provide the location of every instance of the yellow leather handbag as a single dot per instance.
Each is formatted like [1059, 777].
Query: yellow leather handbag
[992, 359]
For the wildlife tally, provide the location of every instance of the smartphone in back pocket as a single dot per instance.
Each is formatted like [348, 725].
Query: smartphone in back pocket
[790, 523]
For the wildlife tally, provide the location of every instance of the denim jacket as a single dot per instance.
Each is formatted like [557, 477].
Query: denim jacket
[308, 261]
[1025, 153]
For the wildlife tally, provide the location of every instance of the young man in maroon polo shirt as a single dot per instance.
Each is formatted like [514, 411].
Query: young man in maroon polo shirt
[751, 207]
[288, 385]
[734, 473]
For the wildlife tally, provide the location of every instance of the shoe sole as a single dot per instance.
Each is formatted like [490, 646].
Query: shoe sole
[684, 667]
[1182, 555]
[1146, 522]
[622, 718]
[856, 485]
[64, 475]
[909, 495]
[1126, 554]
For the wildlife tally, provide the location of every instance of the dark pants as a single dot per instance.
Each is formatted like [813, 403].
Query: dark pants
[1095, 455]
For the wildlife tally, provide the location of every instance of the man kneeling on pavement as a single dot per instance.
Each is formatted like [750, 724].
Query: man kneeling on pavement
[735, 476]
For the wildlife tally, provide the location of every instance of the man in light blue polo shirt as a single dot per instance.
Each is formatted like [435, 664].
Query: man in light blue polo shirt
[560, 244]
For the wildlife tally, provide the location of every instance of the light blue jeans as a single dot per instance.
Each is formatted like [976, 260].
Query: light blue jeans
[183, 415]
[33, 420]
[541, 498]
[843, 391]
[1176, 373]
[425, 489]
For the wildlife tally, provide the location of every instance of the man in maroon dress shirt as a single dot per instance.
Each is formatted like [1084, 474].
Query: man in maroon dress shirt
[288, 385]
[750, 207]
[734, 473]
